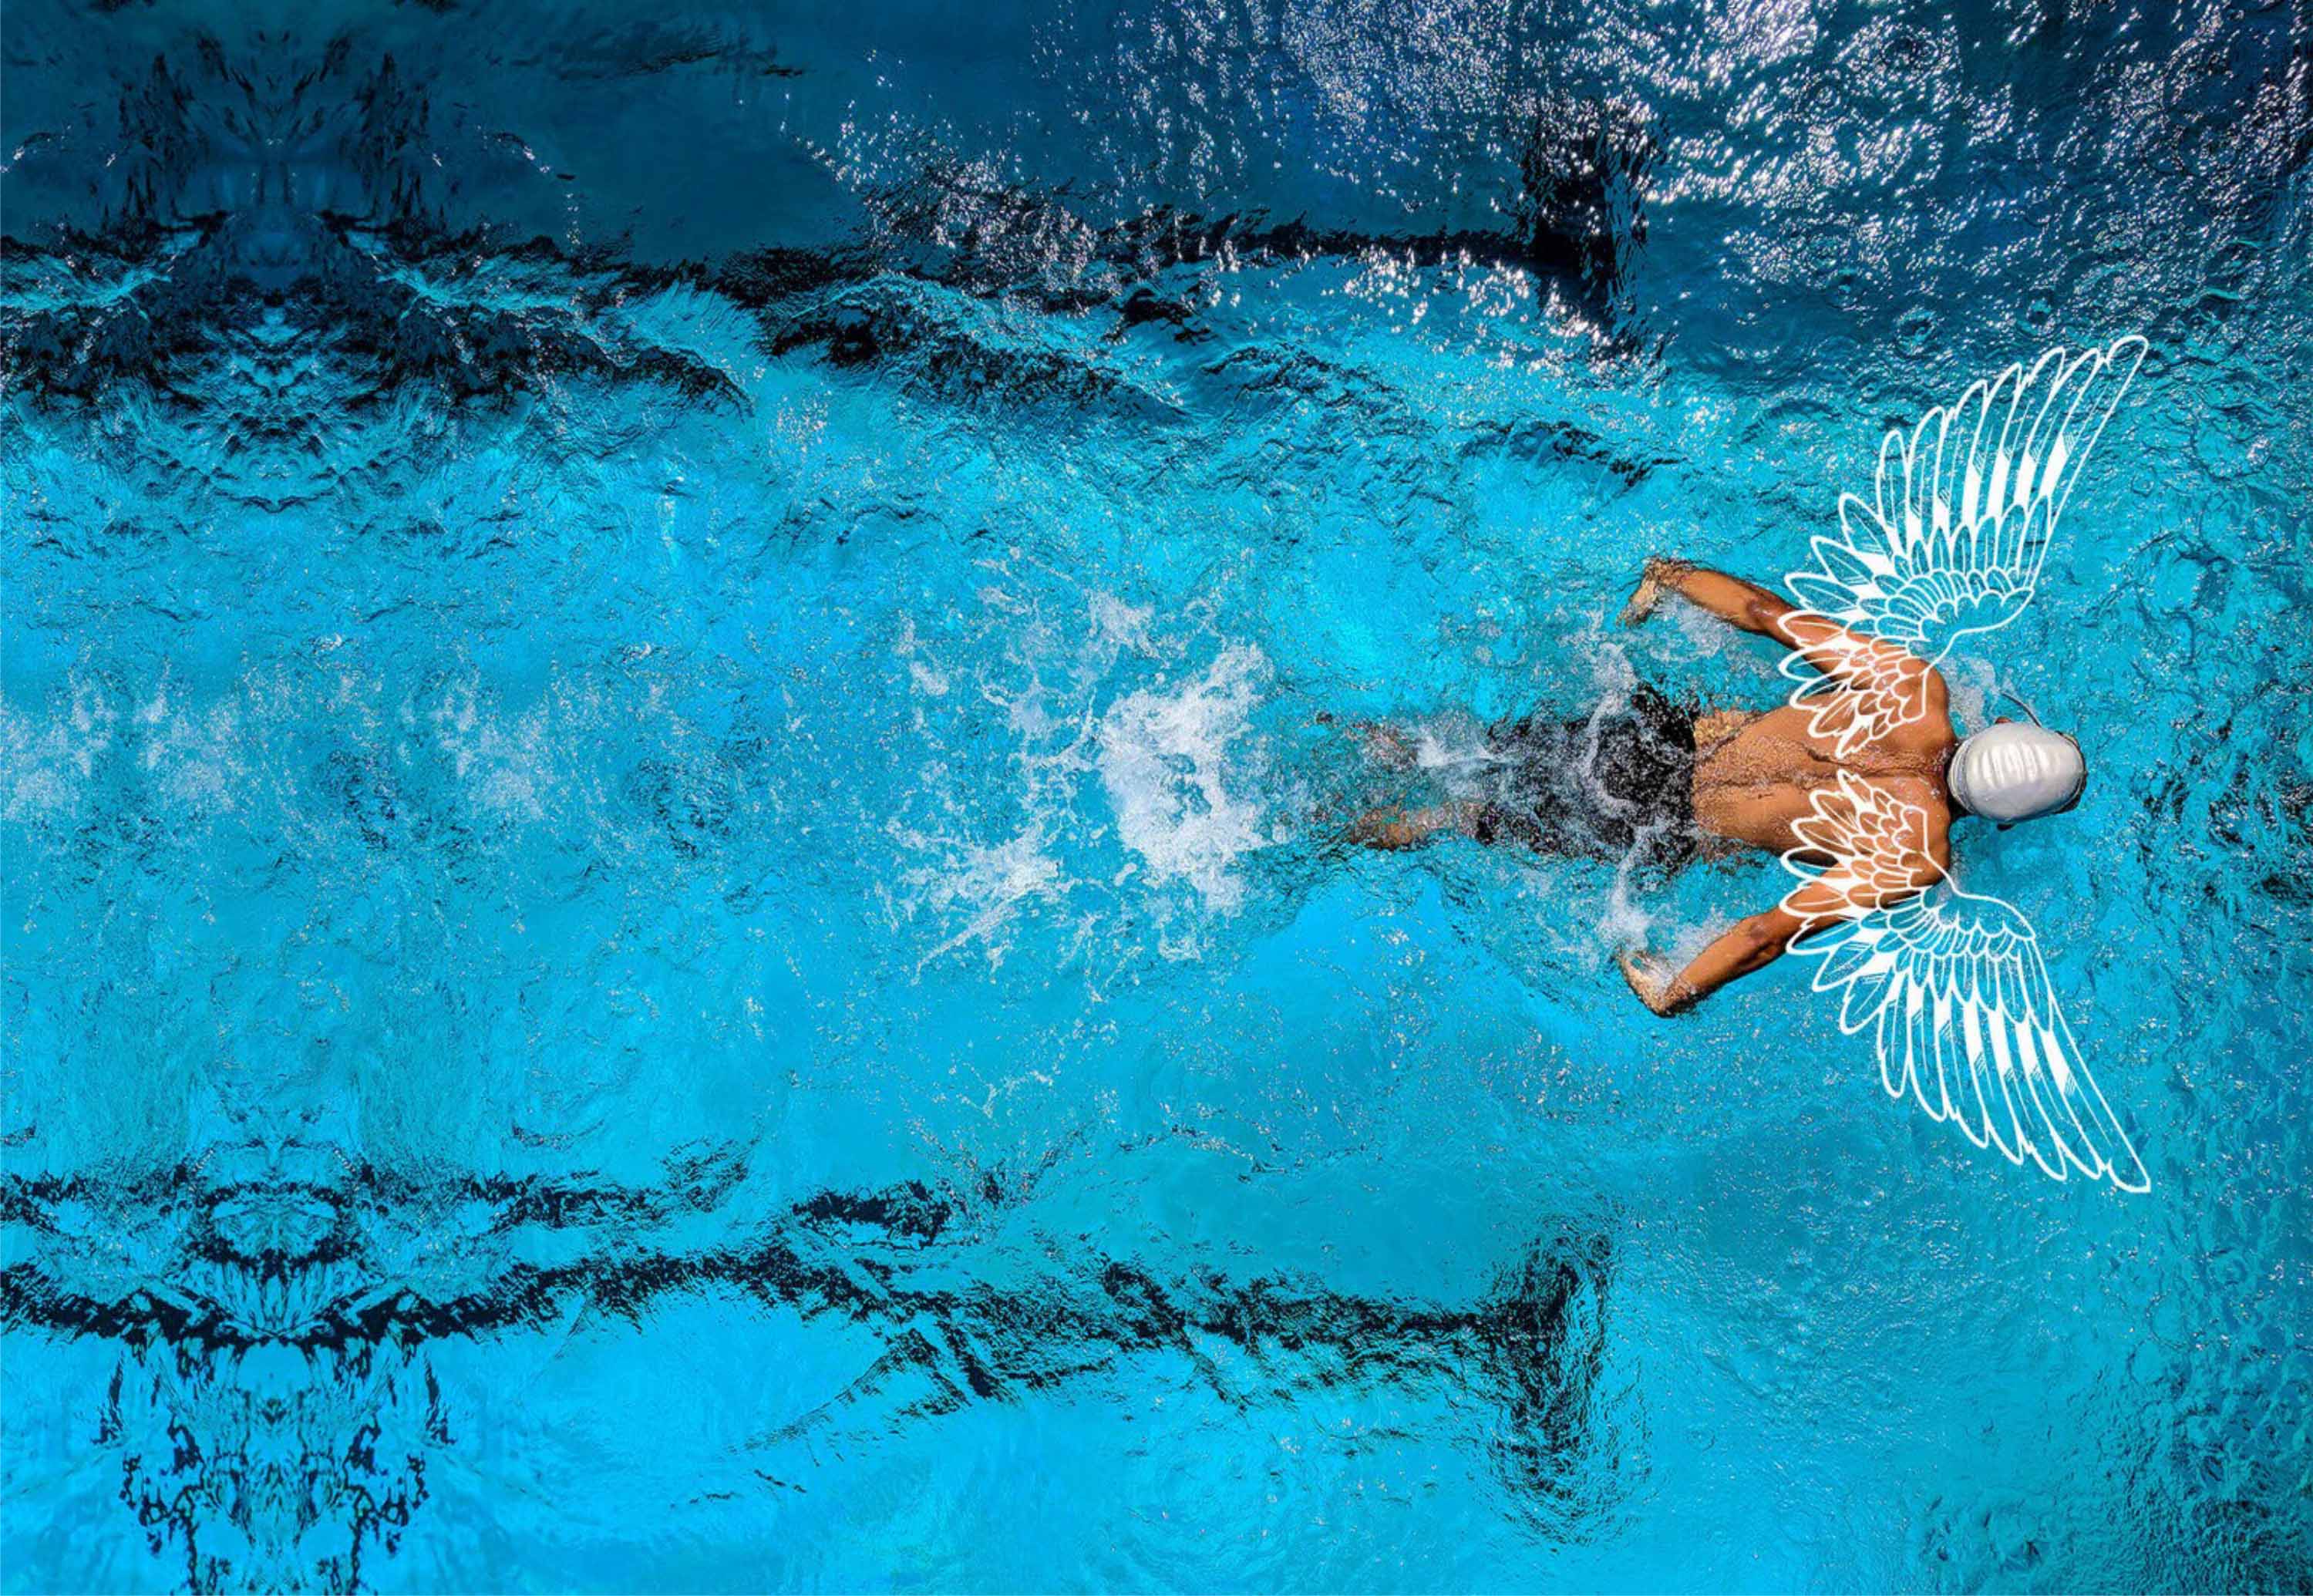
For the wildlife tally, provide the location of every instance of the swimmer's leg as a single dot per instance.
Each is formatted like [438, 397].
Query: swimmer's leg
[1383, 743]
[1396, 829]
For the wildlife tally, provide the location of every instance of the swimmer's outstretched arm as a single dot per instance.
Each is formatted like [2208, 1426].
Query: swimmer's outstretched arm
[1737, 602]
[1745, 946]
[1844, 656]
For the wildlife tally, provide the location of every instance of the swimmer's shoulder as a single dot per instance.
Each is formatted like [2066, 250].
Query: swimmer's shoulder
[1927, 853]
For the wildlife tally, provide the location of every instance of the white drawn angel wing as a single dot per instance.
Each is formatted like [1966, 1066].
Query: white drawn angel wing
[1955, 990]
[1954, 539]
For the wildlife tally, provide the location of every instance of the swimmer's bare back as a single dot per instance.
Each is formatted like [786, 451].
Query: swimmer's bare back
[1757, 774]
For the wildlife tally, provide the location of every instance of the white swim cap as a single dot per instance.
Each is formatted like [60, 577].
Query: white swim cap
[2013, 772]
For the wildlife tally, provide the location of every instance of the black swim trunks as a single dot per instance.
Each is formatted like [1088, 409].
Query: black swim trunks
[1617, 786]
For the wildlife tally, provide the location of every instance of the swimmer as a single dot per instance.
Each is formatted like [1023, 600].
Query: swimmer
[1659, 786]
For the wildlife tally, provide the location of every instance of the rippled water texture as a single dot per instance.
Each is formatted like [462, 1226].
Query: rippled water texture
[676, 685]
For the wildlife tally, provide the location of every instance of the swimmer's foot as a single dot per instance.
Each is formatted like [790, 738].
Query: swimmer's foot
[1388, 829]
[1653, 979]
[1395, 829]
[1387, 746]
[1384, 745]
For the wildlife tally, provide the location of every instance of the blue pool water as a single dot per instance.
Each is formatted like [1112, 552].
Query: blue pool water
[674, 684]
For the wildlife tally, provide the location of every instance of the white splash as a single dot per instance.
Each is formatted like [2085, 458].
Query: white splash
[986, 884]
[1181, 797]
[505, 768]
[1622, 923]
[191, 753]
[1120, 624]
[46, 763]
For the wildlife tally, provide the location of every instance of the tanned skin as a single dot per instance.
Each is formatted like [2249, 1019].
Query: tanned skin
[1755, 772]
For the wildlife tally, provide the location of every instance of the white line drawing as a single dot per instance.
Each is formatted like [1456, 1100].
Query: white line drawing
[1963, 507]
[1953, 986]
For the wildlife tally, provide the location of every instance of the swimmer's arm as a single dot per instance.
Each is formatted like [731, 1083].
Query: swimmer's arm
[1747, 946]
[1737, 602]
[1846, 656]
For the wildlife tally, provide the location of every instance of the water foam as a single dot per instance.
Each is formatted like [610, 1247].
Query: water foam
[985, 885]
[1180, 796]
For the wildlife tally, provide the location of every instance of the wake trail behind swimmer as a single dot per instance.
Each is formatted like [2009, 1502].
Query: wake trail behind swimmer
[1610, 786]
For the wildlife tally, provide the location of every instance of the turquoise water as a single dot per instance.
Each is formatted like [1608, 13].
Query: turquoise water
[674, 689]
